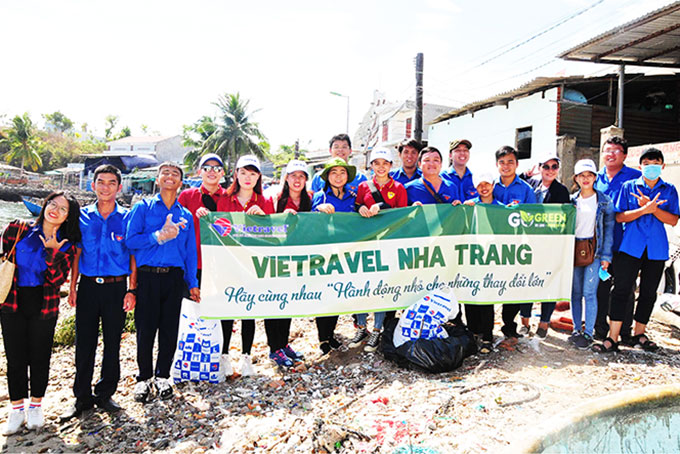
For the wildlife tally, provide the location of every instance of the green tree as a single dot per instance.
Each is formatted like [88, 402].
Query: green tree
[125, 132]
[22, 142]
[111, 122]
[59, 121]
[236, 135]
[58, 150]
[194, 136]
[283, 155]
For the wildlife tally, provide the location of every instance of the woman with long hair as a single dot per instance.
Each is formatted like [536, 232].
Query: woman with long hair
[292, 199]
[43, 252]
[244, 195]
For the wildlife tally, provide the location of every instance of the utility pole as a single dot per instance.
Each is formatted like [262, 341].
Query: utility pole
[418, 129]
[297, 148]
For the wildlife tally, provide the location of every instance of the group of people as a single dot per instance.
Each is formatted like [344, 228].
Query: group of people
[148, 258]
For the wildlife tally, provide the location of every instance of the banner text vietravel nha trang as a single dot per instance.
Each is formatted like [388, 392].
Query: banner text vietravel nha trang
[313, 264]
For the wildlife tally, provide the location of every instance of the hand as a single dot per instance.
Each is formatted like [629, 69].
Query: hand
[417, 204]
[604, 264]
[72, 297]
[195, 294]
[651, 206]
[375, 209]
[202, 211]
[642, 199]
[170, 230]
[455, 203]
[535, 170]
[51, 241]
[326, 208]
[290, 211]
[255, 210]
[469, 203]
[129, 302]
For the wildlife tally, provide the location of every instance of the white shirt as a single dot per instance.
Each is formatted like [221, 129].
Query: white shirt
[586, 212]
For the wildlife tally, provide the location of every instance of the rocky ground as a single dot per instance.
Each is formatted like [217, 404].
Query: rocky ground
[351, 401]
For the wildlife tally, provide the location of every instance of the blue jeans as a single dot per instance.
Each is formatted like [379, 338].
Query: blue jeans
[377, 323]
[583, 287]
[547, 310]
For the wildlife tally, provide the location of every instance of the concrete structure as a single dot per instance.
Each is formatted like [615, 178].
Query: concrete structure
[163, 148]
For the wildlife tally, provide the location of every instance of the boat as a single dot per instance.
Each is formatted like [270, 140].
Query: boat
[33, 207]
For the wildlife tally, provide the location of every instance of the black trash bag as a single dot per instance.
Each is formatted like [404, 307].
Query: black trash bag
[430, 355]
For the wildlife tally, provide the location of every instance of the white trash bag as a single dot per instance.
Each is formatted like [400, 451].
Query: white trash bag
[423, 319]
[199, 346]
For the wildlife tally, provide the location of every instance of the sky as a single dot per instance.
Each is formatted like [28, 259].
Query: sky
[164, 63]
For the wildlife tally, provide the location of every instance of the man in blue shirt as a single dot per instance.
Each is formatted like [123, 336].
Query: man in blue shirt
[510, 190]
[161, 236]
[459, 173]
[644, 205]
[408, 153]
[610, 179]
[105, 265]
[340, 147]
[431, 187]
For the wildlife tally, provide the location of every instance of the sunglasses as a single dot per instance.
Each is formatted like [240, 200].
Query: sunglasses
[550, 167]
[215, 168]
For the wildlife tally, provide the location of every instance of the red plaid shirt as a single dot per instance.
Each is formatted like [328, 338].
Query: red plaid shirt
[58, 267]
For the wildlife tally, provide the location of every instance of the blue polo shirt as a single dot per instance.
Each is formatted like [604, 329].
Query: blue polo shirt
[148, 216]
[318, 183]
[400, 176]
[30, 257]
[466, 188]
[417, 192]
[344, 205]
[479, 202]
[646, 231]
[612, 188]
[104, 252]
[519, 191]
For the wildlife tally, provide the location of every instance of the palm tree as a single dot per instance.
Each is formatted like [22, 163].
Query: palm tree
[22, 142]
[235, 135]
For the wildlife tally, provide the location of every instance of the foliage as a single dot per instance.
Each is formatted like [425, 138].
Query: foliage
[125, 132]
[22, 142]
[236, 135]
[57, 151]
[194, 136]
[65, 332]
[59, 121]
[111, 122]
[282, 156]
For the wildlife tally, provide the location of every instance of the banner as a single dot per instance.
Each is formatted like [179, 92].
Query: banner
[315, 264]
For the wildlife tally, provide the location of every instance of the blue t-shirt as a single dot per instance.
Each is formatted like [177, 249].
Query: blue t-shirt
[466, 188]
[30, 257]
[417, 192]
[646, 231]
[318, 183]
[400, 176]
[479, 202]
[519, 191]
[148, 216]
[104, 252]
[344, 205]
[612, 188]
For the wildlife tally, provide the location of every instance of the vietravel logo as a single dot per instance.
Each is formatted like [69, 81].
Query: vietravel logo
[537, 220]
[224, 227]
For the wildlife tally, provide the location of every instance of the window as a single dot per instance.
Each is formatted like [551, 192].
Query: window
[523, 142]
[384, 131]
[408, 128]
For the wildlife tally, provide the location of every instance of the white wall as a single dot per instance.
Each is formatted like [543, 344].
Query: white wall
[494, 127]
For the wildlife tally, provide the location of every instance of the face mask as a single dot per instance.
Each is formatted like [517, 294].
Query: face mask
[651, 171]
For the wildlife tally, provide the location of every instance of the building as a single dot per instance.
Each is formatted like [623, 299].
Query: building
[163, 148]
[532, 116]
[386, 123]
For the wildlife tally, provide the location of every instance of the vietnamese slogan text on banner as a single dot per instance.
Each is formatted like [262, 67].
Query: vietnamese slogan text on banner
[313, 264]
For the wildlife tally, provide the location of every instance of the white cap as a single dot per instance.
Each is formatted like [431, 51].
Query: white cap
[297, 166]
[248, 160]
[549, 157]
[478, 178]
[585, 165]
[381, 153]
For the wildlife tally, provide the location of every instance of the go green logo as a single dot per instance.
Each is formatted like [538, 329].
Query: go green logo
[520, 217]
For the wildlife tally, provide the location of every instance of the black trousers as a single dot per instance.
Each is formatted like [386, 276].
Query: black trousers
[159, 302]
[626, 271]
[604, 297]
[247, 335]
[97, 302]
[326, 327]
[508, 314]
[278, 330]
[479, 319]
[28, 345]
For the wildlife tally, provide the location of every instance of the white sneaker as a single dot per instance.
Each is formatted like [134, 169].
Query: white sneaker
[15, 420]
[34, 418]
[163, 387]
[246, 366]
[524, 330]
[225, 365]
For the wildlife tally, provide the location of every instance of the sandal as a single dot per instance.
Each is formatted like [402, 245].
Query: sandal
[486, 348]
[602, 348]
[647, 345]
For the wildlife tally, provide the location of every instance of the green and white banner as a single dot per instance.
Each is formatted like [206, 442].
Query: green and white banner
[313, 264]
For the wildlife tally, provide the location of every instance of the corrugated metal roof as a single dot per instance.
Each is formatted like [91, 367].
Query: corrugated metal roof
[650, 40]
